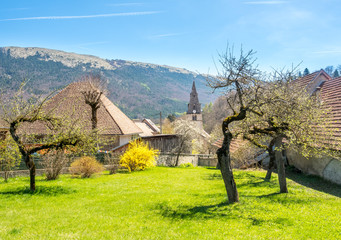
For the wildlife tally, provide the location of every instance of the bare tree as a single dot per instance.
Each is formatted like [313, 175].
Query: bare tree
[53, 163]
[239, 80]
[95, 87]
[34, 128]
[186, 132]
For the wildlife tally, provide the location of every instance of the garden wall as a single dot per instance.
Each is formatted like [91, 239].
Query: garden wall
[326, 167]
[169, 159]
[165, 159]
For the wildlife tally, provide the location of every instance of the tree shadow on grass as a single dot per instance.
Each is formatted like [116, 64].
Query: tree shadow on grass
[239, 175]
[222, 210]
[40, 190]
[282, 198]
[261, 183]
[213, 176]
[198, 212]
[315, 183]
[213, 168]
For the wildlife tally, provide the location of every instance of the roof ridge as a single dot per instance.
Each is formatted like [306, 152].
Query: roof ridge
[112, 117]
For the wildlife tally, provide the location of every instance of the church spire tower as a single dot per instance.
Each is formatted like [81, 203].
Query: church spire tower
[194, 108]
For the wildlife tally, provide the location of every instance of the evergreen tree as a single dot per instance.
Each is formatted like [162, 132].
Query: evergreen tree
[306, 72]
[336, 73]
[339, 68]
[171, 117]
[329, 70]
[299, 74]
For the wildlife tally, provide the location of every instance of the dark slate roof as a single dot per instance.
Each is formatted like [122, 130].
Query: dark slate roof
[70, 102]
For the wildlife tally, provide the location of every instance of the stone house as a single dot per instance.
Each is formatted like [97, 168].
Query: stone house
[328, 90]
[112, 123]
[3, 129]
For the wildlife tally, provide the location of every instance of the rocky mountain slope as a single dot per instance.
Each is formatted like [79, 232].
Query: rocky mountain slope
[139, 89]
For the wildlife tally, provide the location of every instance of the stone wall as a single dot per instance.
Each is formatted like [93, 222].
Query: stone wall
[325, 167]
[165, 159]
[169, 159]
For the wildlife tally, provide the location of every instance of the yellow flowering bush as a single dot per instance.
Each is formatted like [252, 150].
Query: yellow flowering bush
[85, 167]
[138, 156]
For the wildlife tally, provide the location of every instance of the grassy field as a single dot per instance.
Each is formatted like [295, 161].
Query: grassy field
[169, 203]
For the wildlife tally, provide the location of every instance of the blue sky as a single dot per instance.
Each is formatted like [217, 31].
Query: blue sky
[180, 33]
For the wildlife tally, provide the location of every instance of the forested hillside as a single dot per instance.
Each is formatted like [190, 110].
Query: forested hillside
[139, 89]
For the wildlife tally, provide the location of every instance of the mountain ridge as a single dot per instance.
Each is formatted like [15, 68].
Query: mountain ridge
[139, 89]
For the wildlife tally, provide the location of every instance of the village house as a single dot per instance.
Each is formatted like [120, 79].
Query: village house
[113, 125]
[147, 127]
[3, 129]
[328, 90]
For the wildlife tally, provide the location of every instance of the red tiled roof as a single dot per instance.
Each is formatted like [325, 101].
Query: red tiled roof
[330, 93]
[331, 96]
[313, 80]
[305, 80]
[3, 124]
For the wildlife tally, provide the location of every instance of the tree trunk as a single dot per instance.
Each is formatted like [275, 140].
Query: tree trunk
[280, 165]
[179, 152]
[224, 160]
[177, 159]
[272, 159]
[94, 117]
[32, 167]
[6, 173]
[218, 165]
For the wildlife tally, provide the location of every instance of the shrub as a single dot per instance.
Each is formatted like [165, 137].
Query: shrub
[9, 156]
[85, 167]
[112, 162]
[138, 156]
[53, 163]
[186, 165]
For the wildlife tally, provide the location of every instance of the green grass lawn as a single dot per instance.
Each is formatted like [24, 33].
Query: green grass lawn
[169, 203]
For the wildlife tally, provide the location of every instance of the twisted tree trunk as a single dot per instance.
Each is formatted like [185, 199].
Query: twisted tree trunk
[224, 158]
[224, 161]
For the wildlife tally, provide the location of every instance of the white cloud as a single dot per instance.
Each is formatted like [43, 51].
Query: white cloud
[166, 35]
[264, 2]
[86, 16]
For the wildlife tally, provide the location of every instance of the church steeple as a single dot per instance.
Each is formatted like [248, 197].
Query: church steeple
[194, 107]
